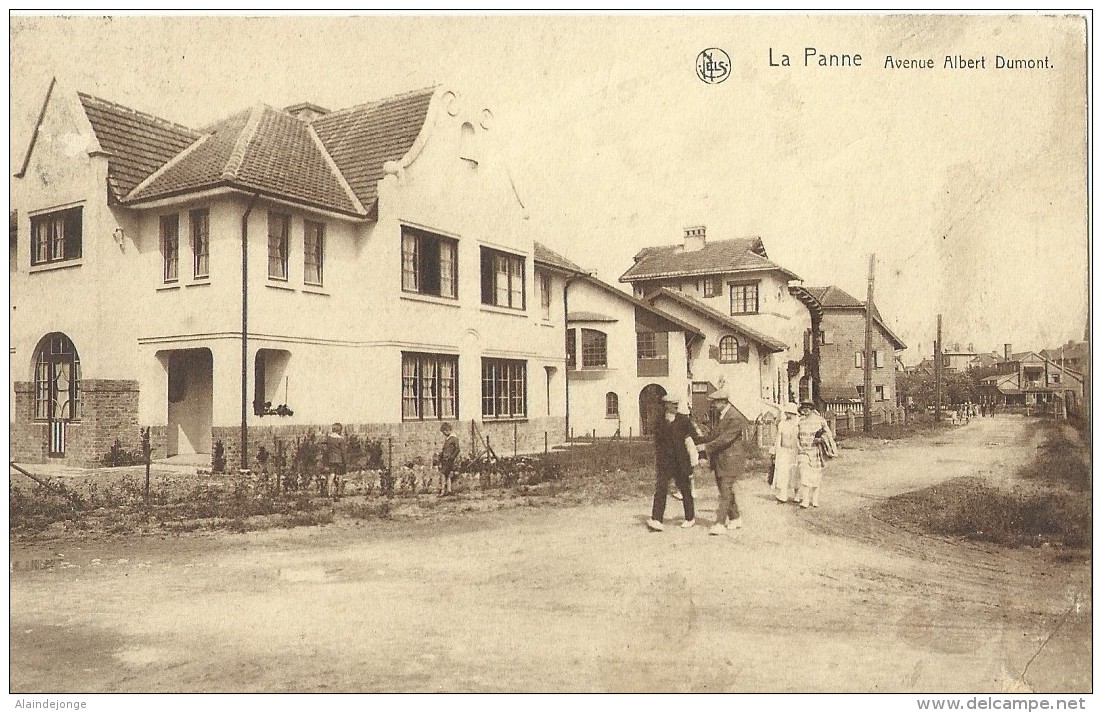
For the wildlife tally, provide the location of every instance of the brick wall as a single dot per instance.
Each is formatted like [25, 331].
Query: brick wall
[408, 440]
[108, 410]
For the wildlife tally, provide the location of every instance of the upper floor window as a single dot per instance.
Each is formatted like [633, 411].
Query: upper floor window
[826, 337]
[429, 263]
[170, 246]
[712, 286]
[731, 351]
[502, 279]
[859, 360]
[879, 393]
[279, 235]
[594, 349]
[545, 294]
[313, 252]
[200, 242]
[56, 236]
[744, 298]
[652, 345]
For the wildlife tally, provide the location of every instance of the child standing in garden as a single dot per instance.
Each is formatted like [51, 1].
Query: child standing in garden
[335, 460]
[449, 453]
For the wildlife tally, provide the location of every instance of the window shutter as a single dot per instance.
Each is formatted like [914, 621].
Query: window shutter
[713, 352]
[744, 352]
[73, 225]
[487, 278]
[858, 358]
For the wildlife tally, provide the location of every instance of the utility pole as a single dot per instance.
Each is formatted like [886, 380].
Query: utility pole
[937, 372]
[867, 406]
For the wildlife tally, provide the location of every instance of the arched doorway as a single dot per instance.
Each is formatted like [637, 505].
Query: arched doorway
[650, 408]
[56, 388]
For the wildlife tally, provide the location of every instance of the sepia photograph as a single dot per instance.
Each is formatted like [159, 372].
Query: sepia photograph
[550, 353]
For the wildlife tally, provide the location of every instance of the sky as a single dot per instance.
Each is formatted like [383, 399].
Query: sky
[968, 185]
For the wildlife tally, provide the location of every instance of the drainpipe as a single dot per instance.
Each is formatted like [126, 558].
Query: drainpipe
[566, 364]
[245, 331]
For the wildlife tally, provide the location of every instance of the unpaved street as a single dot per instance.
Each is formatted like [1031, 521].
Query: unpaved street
[575, 599]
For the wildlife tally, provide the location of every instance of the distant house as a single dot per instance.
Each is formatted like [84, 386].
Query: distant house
[754, 314]
[984, 361]
[1074, 355]
[622, 356]
[1027, 378]
[842, 365]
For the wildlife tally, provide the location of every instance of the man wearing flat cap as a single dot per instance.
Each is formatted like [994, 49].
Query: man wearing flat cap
[675, 456]
[726, 453]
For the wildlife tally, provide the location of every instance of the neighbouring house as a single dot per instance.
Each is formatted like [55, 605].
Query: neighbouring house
[842, 364]
[954, 358]
[752, 311]
[622, 356]
[275, 272]
[986, 360]
[1027, 378]
[1074, 355]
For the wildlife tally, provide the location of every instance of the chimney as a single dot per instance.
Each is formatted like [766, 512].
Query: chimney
[306, 111]
[1006, 352]
[695, 238]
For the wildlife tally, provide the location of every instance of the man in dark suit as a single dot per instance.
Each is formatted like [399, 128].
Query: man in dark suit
[726, 453]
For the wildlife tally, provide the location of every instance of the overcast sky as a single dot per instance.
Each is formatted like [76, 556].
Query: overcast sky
[969, 185]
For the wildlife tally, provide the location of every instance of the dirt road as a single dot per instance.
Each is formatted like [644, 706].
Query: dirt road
[577, 599]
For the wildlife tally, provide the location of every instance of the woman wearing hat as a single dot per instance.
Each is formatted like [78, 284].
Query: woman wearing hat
[675, 457]
[813, 437]
[784, 455]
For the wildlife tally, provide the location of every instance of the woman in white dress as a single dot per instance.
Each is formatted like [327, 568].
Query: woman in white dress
[785, 480]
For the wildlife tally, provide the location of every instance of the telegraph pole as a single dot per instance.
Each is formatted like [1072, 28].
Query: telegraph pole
[867, 406]
[937, 372]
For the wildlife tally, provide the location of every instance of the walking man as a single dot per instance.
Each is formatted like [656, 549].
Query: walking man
[675, 457]
[726, 453]
[448, 455]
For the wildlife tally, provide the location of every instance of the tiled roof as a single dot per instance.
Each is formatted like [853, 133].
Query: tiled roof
[547, 256]
[261, 149]
[831, 297]
[717, 316]
[838, 392]
[362, 138]
[640, 304]
[137, 143]
[716, 257]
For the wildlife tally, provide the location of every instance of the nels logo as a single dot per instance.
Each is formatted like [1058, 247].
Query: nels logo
[713, 65]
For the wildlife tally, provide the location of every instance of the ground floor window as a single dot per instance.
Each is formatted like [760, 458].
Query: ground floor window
[612, 405]
[56, 380]
[429, 386]
[504, 388]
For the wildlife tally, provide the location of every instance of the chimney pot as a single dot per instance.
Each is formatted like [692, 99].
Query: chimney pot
[695, 238]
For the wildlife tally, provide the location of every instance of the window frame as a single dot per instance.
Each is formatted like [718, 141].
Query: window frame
[612, 405]
[594, 349]
[170, 247]
[745, 299]
[492, 290]
[51, 232]
[282, 258]
[53, 349]
[317, 253]
[413, 262]
[199, 228]
[543, 279]
[713, 286]
[879, 392]
[507, 380]
[742, 351]
[414, 381]
[571, 348]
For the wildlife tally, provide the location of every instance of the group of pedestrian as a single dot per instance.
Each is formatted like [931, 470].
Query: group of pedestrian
[802, 444]
[986, 408]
